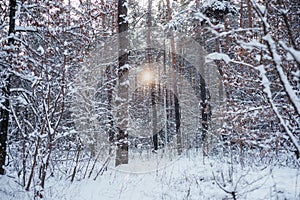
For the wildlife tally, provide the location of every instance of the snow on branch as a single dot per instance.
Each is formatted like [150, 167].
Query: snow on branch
[25, 29]
[222, 56]
[266, 83]
[283, 78]
[217, 56]
[295, 53]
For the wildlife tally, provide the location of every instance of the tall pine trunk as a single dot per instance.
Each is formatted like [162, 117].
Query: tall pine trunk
[174, 81]
[4, 110]
[122, 142]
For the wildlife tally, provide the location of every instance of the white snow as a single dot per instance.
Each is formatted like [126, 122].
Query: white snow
[25, 28]
[261, 8]
[189, 177]
[293, 52]
[126, 66]
[125, 83]
[217, 56]
[41, 50]
[125, 4]
[252, 44]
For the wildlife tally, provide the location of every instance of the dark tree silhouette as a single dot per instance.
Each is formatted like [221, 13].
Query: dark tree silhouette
[4, 111]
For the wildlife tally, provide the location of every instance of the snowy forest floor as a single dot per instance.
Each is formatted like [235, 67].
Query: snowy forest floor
[189, 177]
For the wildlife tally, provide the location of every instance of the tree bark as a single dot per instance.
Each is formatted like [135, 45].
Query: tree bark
[4, 111]
[154, 116]
[174, 81]
[249, 13]
[122, 115]
[241, 14]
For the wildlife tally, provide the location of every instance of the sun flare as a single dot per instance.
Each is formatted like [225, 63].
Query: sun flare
[147, 77]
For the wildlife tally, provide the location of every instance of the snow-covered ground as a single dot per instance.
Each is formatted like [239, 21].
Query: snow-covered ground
[188, 177]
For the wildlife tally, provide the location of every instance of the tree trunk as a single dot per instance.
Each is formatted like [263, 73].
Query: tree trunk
[110, 87]
[154, 116]
[249, 13]
[153, 89]
[174, 81]
[4, 110]
[226, 47]
[241, 14]
[122, 115]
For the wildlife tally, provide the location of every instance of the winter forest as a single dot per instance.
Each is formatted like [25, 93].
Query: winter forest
[149, 99]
